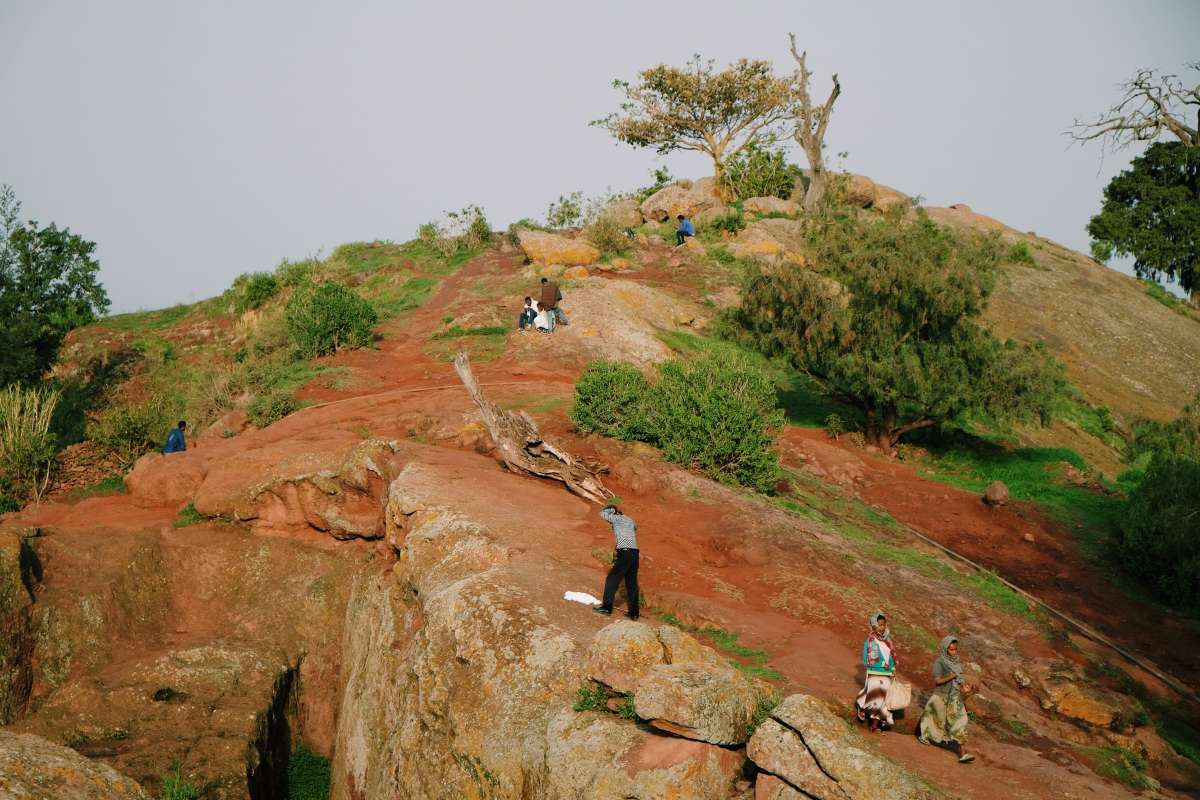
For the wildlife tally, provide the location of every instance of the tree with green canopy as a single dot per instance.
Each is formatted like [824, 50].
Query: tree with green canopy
[698, 108]
[1151, 211]
[891, 325]
[48, 286]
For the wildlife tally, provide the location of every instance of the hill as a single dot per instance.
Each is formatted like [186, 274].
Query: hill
[338, 566]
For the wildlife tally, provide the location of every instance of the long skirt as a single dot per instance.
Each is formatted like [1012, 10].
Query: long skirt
[872, 699]
[943, 720]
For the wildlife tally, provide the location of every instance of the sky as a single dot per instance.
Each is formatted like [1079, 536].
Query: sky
[197, 141]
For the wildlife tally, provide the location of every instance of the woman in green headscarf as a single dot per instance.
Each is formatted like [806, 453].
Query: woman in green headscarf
[879, 664]
[945, 717]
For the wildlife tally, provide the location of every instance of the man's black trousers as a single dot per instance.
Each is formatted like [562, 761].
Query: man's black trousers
[625, 566]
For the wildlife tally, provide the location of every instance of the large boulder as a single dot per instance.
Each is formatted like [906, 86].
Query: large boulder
[603, 758]
[625, 212]
[541, 247]
[16, 633]
[679, 198]
[710, 215]
[780, 752]
[768, 787]
[772, 240]
[32, 768]
[166, 480]
[836, 748]
[622, 654]
[887, 198]
[711, 702]
[860, 191]
[770, 205]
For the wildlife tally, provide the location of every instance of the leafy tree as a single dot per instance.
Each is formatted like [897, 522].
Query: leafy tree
[891, 326]
[761, 171]
[1159, 537]
[1152, 212]
[48, 285]
[700, 109]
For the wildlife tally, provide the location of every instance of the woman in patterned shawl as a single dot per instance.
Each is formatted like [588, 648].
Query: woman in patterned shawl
[879, 659]
[945, 716]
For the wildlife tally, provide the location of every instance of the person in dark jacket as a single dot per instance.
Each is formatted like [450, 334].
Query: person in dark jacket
[625, 562]
[551, 297]
[175, 441]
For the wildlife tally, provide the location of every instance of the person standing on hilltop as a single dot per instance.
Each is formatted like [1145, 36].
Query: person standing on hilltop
[175, 440]
[686, 229]
[625, 562]
[551, 297]
[879, 659]
[945, 716]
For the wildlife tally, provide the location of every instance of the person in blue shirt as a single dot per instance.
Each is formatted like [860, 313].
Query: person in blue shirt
[175, 441]
[686, 228]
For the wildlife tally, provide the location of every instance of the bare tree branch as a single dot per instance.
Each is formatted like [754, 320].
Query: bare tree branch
[809, 127]
[1151, 105]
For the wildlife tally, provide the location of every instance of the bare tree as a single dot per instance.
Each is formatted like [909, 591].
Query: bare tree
[698, 108]
[809, 130]
[1151, 105]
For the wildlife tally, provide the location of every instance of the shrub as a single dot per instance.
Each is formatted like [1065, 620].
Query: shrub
[607, 235]
[590, 698]
[324, 318]
[610, 400]
[834, 426]
[1019, 253]
[257, 289]
[731, 223]
[271, 406]
[717, 412]
[759, 171]
[130, 431]
[308, 775]
[566, 212]
[469, 227]
[1159, 536]
[27, 442]
[294, 273]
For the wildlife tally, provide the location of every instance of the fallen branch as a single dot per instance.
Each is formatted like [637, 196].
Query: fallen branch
[523, 449]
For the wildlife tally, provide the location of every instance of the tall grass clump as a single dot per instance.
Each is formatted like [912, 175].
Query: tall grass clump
[322, 319]
[27, 442]
[607, 235]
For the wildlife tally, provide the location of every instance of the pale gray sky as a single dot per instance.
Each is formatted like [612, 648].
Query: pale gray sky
[197, 141]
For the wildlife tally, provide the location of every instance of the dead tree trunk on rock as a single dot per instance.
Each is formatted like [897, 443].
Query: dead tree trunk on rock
[809, 131]
[522, 448]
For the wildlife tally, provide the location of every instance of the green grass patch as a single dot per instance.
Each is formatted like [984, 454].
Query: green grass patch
[726, 641]
[590, 697]
[146, 320]
[1120, 764]
[188, 516]
[486, 330]
[176, 787]
[391, 297]
[308, 775]
[113, 484]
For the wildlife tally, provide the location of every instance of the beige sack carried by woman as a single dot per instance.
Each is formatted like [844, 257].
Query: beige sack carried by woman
[899, 695]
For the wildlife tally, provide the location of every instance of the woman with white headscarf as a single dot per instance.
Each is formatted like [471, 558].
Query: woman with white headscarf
[945, 716]
[879, 661]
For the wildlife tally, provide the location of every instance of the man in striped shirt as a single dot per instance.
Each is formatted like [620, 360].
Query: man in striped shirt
[625, 562]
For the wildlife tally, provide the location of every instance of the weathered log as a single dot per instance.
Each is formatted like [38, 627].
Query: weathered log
[523, 449]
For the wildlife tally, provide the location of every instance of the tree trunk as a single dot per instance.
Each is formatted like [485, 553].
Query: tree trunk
[721, 187]
[816, 191]
[522, 448]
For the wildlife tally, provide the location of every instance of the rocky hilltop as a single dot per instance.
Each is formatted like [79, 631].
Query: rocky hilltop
[363, 580]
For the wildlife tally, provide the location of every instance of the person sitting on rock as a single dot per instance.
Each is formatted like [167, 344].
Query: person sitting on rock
[945, 716]
[528, 314]
[686, 229]
[551, 298]
[625, 562]
[542, 321]
[175, 441]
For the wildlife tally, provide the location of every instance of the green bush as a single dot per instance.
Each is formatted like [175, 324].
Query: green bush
[590, 698]
[294, 273]
[1159, 536]
[308, 775]
[128, 432]
[257, 289]
[271, 406]
[731, 223]
[1019, 253]
[607, 235]
[718, 412]
[566, 212]
[610, 400]
[322, 319]
[759, 171]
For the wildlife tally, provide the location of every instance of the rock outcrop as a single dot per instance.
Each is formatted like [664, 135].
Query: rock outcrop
[770, 205]
[16, 623]
[681, 198]
[32, 768]
[542, 247]
[813, 751]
